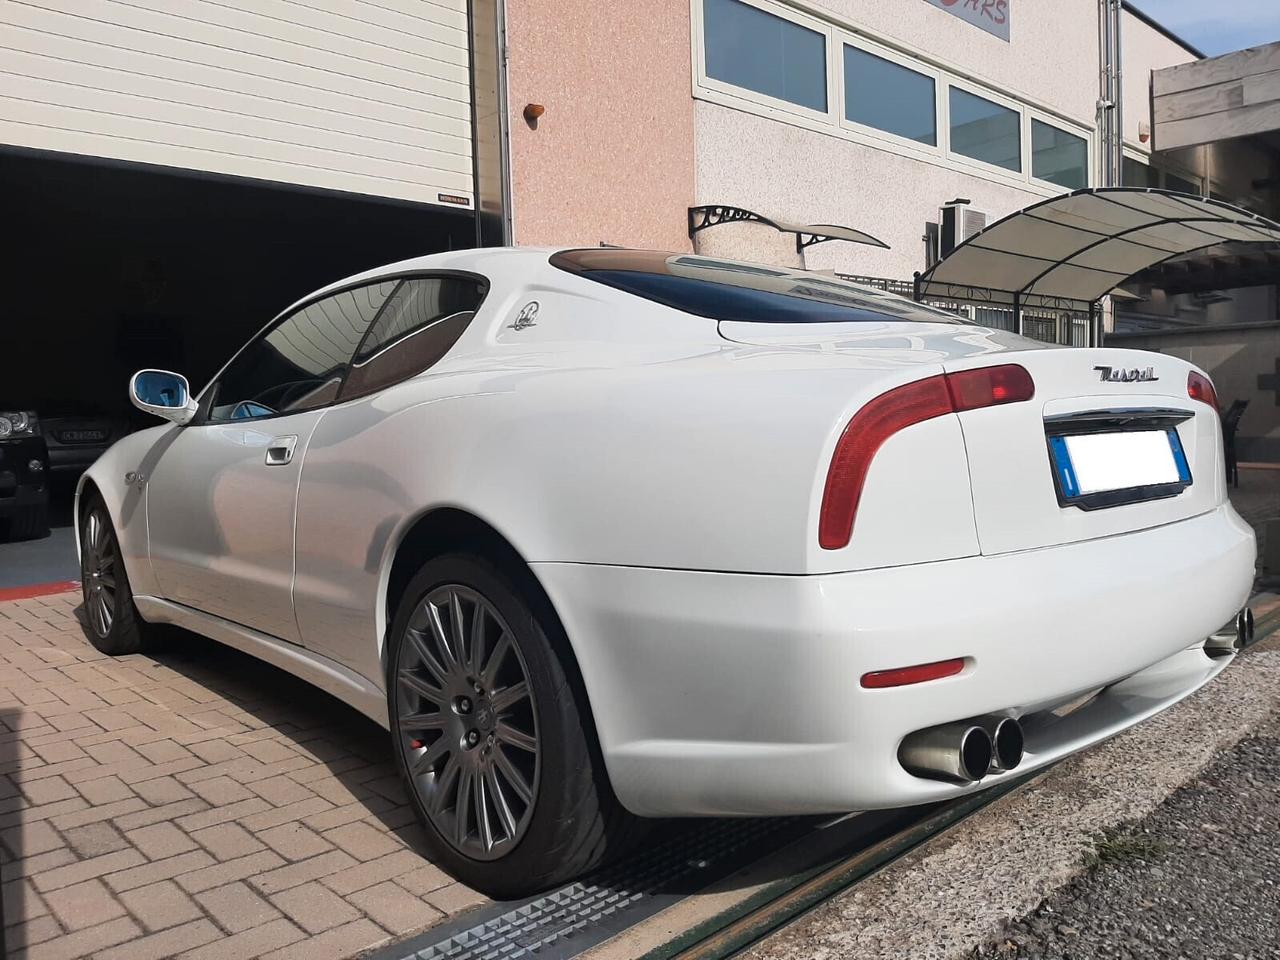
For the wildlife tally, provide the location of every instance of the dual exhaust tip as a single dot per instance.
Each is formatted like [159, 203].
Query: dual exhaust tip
[964, 751]
[1232, 637]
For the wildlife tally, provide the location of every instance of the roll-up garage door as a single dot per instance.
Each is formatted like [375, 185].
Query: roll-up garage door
[366, 96]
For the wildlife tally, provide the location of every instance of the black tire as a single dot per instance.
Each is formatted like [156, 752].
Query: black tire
[30, 524]
[126, 631]
[574, 822]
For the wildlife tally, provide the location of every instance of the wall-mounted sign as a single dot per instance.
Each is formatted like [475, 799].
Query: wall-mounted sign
[991, 15]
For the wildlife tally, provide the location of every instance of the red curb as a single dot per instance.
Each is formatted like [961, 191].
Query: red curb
[38, 590]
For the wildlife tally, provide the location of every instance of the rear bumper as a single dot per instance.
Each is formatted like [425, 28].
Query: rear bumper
[724, 694]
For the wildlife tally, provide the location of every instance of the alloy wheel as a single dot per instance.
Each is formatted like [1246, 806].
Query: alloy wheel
[467, 727]
[98, 574]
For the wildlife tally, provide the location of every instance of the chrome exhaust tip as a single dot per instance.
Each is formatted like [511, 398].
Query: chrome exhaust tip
[957, 752]
[1233, 636]
[1245, 628]
[1006, 741]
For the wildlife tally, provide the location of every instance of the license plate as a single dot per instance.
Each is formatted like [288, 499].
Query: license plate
[82, 436]
[1107, 469]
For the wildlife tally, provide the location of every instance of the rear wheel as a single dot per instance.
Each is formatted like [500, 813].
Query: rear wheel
[489, 736]
[115, 627]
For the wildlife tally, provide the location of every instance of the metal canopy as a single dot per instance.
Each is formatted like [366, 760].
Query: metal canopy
[1081, 246]
[807, 234]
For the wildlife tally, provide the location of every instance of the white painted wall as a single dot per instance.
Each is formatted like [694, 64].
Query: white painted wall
[371, 98]
[798, 172]
[1143, 49]
[803, 174]
[811, 177]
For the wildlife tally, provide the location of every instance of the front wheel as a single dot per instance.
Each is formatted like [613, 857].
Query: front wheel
[115, 628]
[489, 733]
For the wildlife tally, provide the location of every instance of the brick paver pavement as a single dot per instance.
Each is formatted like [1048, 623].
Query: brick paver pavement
[196, 803]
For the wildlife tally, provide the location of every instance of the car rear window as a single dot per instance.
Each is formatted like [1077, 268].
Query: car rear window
[729, 290]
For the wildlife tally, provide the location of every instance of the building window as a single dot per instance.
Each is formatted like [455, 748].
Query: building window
[749, 48]
[1059, 157]
[986, 131]
[1174, 182]
[882, 94]
[1135, 173]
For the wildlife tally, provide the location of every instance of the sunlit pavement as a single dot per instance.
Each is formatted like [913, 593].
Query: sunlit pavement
[194, 803]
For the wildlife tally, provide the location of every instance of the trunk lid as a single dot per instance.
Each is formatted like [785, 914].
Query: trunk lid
[1020, 504]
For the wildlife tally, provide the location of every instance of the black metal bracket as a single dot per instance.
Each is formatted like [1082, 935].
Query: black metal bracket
[714, 214]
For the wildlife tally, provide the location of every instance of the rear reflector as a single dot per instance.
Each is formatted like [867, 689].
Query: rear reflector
[1200, 387]
[988, 386]
[896, 410]
[905, 676]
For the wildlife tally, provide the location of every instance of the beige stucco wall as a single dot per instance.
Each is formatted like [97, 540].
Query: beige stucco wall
[1144, 49]
[805, 175]
[611, 160]
[810, 177]
[1051, 56]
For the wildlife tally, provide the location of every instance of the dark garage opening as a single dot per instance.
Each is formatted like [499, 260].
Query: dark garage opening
[113, 267]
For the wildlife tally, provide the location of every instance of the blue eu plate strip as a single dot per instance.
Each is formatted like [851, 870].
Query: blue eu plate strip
[1062, 463]
[1180, 458]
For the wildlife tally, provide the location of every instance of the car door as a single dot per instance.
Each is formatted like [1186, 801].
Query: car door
[221, 498]
[354, 492]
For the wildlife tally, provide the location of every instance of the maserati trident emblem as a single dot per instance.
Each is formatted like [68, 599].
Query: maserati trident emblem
[1126, 374]
[527, 317]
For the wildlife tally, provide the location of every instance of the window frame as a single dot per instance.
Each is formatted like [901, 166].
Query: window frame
[762, 101]
[1086, 135]
[206, 396]
[997, 100]
[1164, 169]
[937, 148]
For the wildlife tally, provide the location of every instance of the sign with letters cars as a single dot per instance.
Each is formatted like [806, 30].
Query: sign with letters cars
[991, 15]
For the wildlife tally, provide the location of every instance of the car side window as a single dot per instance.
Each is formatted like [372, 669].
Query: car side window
[300, 363]
[421, 321]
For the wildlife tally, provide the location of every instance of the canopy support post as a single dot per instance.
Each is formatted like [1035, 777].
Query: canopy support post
[1094, 339]
[915, 286]
[1017, 313]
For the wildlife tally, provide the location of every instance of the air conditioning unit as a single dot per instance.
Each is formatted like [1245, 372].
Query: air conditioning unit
[958, 221]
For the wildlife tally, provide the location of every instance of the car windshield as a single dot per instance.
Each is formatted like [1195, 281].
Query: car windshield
[730, 290]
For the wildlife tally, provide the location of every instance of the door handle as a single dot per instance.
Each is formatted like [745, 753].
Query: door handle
[280, 451]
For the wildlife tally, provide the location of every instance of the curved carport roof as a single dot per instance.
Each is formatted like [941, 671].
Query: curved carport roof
[1081, 246]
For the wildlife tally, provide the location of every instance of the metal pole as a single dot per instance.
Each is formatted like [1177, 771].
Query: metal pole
[1094, 339]
[915, 286]
[1104, 115]
[1017, 314]
[1117, 73]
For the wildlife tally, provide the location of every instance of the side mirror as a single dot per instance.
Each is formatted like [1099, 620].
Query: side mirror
[164, 394]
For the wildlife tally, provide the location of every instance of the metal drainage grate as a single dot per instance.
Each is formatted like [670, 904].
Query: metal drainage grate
[565, 922]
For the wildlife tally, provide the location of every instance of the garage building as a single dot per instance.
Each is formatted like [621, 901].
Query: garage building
[177, 173]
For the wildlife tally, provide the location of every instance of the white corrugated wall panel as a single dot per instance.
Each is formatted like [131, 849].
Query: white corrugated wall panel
[367, 96]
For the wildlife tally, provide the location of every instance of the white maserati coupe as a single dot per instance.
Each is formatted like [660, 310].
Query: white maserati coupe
[604, 534]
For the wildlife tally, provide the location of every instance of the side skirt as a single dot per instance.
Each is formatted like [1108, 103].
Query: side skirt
[319, 671]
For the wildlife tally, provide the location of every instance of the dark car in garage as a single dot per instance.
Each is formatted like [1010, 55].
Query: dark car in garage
[24, 476]
[77, 438]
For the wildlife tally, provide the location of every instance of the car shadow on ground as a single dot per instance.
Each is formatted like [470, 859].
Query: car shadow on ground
[356, 750]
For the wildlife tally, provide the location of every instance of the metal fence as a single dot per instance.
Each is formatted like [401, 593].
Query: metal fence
[1067, 327]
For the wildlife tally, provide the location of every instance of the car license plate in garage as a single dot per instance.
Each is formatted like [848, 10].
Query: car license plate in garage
[1095, 470]
[82, 436]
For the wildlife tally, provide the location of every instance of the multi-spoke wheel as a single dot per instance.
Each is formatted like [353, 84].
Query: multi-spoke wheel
[113, 621]
[467, 726]
[98, 570]
[491, 734]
